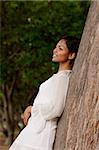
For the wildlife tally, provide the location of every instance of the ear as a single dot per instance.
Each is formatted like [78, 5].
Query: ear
[72, 56]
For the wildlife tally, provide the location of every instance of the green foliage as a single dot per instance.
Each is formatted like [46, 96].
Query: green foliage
[30, 30]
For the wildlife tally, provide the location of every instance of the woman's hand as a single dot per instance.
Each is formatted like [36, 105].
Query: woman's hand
[26, 115]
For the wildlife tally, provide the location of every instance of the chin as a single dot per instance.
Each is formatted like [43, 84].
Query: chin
[54, 60]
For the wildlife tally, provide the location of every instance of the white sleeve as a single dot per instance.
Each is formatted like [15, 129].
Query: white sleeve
[55, 106]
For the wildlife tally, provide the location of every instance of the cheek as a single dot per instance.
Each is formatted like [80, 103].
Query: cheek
[64, 57]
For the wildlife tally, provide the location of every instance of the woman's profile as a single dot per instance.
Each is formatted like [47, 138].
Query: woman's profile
[41, 118]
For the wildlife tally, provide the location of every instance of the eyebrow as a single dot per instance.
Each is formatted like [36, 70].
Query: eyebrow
[60, 45]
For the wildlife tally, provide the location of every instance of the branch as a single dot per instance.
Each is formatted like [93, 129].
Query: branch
[12, 87]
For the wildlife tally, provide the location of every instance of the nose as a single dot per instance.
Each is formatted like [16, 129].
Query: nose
[55, 50]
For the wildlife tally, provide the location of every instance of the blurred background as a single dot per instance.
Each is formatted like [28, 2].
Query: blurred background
[29, 32]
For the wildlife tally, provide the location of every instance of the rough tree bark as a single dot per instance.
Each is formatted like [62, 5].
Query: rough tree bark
[78, 128]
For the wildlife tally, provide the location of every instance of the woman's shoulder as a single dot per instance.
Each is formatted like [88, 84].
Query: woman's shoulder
[63, 74]
[61, 77]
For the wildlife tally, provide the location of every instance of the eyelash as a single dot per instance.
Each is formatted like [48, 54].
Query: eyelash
[59, 47]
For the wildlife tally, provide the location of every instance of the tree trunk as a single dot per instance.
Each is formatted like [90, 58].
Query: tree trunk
[8, 110]
[78, 128]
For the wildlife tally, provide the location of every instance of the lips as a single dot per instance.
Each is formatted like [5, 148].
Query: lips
[54, 55]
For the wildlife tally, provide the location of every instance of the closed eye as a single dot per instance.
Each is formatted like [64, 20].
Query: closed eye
[58, 46]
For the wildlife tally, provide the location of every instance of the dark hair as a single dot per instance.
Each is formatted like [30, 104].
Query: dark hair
[72, 43]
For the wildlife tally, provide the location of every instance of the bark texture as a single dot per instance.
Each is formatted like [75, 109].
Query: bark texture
[78, 128]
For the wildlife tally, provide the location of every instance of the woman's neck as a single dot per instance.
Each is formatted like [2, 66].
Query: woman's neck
[64, 66]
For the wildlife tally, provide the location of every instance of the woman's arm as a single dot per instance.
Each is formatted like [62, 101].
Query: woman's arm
[57, 96]
[26, 115]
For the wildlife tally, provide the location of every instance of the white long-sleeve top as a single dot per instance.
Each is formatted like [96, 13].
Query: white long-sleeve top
[48, 105]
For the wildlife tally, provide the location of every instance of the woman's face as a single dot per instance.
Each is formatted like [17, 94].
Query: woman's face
[61, 52]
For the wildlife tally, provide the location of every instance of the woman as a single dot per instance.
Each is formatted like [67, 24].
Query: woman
[41, 118]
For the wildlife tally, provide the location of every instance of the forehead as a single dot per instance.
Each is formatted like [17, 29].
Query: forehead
[62, 42]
